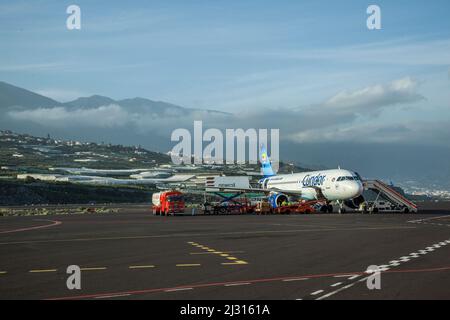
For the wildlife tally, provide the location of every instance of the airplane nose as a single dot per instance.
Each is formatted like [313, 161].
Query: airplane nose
[355, 189]
[360, 188]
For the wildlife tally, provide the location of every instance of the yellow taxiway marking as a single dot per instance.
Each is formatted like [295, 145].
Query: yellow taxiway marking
[43, 270]
[201, 252]
[141, 267]
[188, 265]
[3, 272]
[234, 263]
[93, 269]
[220, 253]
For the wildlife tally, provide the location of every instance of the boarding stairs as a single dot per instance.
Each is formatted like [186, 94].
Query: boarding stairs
[390, 194]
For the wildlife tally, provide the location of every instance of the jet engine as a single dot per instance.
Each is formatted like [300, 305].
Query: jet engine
[355, 202]
[276, 199]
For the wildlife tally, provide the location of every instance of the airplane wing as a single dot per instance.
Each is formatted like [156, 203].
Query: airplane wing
[254, 190]
[320, 196]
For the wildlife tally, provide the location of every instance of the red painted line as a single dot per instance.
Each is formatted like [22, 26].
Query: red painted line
[215, 284]
[52, 224]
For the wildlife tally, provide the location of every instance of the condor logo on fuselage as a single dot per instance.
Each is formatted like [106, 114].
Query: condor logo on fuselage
[313, 181]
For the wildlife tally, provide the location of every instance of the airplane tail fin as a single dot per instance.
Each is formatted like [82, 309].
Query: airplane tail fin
[266, 167]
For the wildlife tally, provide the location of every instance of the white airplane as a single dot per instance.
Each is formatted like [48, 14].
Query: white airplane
[336, 185]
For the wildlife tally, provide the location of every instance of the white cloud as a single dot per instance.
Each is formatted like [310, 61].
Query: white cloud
[373, 98]
[115, 116]
[104, 116]
[354, 133]
[404, 132]
[354, 115]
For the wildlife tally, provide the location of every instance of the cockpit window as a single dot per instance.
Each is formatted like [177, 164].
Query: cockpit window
[347, 178]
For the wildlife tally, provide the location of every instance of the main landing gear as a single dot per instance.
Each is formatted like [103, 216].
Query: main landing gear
[327, 208]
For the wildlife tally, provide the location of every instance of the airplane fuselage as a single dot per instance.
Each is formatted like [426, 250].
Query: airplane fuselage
[336, 184]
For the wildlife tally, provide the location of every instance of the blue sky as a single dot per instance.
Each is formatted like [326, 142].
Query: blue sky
[218, 54]
[289, 64]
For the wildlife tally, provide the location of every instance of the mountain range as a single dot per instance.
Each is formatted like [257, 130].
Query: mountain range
[99, 118]
[12, 97]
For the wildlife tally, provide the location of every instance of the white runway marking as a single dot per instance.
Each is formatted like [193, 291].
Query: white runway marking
[382, 268]
[404, 259]
[336, 284]
[316, 292]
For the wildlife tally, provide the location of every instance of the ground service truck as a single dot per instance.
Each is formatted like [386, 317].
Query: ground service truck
[168, 202]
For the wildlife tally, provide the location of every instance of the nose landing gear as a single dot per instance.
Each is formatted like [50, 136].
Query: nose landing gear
[341, 207]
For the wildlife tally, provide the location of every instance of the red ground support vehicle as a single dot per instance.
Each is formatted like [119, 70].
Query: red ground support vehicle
[306, 207]
[168, 202]
[263, 207]
[302, 207]
[234, 206]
